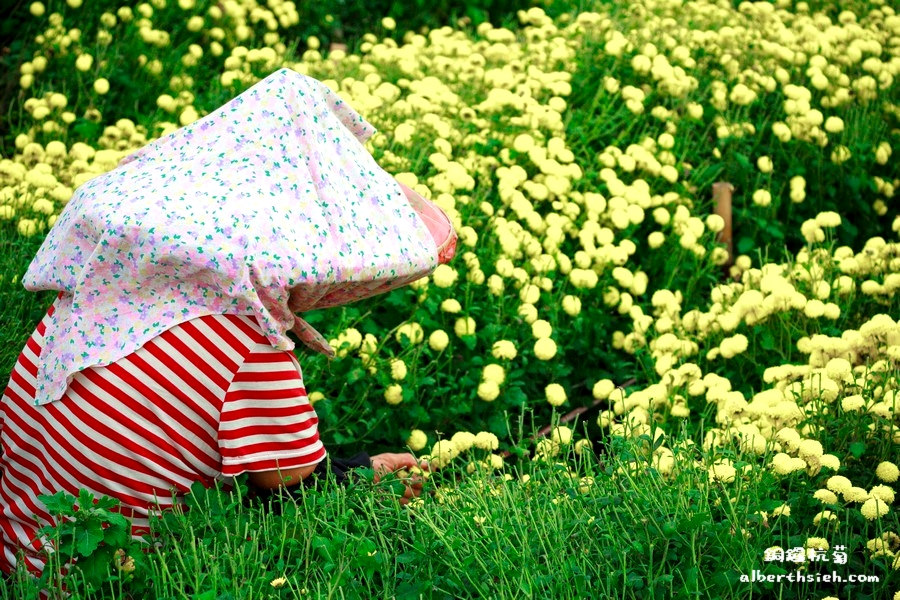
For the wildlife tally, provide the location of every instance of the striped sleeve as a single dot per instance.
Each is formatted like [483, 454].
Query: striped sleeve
[267, 422]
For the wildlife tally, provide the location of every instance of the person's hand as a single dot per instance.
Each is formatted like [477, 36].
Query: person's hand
[410, 471]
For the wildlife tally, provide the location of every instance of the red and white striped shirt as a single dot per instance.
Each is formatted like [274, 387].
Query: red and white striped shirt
[207, 400]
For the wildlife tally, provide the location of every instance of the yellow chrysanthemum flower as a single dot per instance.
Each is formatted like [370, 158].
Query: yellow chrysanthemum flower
[556, 394]
[541, 329]
[825, 496]
[781, 511]
[411, 331]
[883, 493]
[818, 543]
[438, 340]
[463, 440]
[504, 350]
[398, 369]
[444, 276]
[394, 394]
[582, 446]
[825, 515]
[417, 440]
[855, 494]
[545, 349]
[838, 484]
[442, 452]
[561, 435]
[464, 326]
[488, 391]
[873, 508]
[451, 305]
[571, 305]
[494, 372]
[603, 388]
[722, 472]
[887, 472]
[486, 440]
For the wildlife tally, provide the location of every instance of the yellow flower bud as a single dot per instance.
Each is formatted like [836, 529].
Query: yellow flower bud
[394, 394]
[556, 394]
[464, 326]
[101, 86]
[417, 440]
[545, 349]
[488, 390]
[438, 340]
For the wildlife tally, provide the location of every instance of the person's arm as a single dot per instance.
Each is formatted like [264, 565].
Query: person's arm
[341, 470]
[381, 464]
[267, 427]
[269, 430]
[269, 480]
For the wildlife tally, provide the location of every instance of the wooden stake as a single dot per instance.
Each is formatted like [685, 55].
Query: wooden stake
[722, 191]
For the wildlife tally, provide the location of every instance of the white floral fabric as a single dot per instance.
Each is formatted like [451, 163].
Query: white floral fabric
[269, 206]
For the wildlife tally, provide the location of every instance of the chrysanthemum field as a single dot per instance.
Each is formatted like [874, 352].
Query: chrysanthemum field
[665, 361]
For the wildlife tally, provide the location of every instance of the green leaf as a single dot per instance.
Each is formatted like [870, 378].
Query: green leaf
[115, 537]
[85, 499]
[515, 396]
[498, 425]
[88, 537]
[775, 231]
[745, 245]
[743, 160]
[694, 523]
[116, 520]
[767, 340]
[857, 449]
[364, 473]
[59, 503]
[355, 375]
[665, 579]
[106, 503]
[86, 130]
[470, 341]
[525, 587]
[477, 15]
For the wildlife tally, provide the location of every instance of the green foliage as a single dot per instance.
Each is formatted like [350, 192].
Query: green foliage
[91, 543]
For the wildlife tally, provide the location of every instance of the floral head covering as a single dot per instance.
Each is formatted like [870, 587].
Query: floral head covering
[268, 206]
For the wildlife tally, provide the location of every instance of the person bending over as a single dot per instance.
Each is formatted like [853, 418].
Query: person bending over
[164, 359]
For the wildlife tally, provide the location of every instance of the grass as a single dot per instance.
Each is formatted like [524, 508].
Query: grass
[566, 538]
[20, 310]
